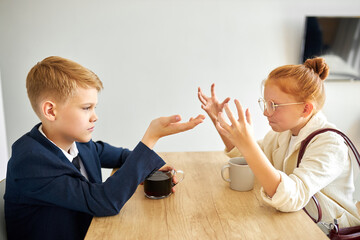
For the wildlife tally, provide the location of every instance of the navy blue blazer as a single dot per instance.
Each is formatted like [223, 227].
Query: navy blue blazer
[48, 198]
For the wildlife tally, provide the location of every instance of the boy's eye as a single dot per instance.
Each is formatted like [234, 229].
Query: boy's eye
[86, 108]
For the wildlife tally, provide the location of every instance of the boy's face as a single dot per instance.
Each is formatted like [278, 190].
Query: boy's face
[75, 119]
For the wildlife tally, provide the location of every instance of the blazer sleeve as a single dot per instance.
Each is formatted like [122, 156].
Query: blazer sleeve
[67, 188]
[110, 156]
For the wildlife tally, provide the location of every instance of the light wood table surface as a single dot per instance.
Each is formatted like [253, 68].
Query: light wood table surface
[203, 207]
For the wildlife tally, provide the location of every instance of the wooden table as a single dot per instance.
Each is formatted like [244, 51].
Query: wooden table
[203, 207]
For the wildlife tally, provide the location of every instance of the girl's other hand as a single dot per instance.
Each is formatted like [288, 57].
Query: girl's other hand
[240, 132]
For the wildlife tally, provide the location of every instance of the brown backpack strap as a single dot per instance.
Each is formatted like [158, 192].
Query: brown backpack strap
[303, 146]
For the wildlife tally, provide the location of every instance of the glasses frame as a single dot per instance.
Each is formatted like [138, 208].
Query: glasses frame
[264, 105]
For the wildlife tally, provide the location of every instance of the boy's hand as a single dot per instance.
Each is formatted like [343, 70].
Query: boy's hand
[165, 126]
[167, 168]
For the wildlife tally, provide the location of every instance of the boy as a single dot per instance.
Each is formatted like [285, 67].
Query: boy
[49, 197]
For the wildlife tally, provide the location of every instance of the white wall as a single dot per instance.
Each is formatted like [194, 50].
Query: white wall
[153, 54]
[3, 142]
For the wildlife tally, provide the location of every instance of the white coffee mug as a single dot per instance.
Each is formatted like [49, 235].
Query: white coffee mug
[241, 178]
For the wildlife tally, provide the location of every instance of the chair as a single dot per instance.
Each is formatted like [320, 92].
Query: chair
[3, 234]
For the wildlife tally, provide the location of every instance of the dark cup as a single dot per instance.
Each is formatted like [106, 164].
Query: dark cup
[158, 185]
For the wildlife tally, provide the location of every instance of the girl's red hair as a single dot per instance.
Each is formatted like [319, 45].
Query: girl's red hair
[304, 81]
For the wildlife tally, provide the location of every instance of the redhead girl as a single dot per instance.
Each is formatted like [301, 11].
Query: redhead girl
[293, 98]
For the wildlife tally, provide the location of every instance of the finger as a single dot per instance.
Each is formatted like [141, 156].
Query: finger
[239, 110]
[200, 116]
[166, 168]
[194, 122]
[173, 119]
[202, 95]
[225, 101]
[221, 130]
[181, 127]
[174, 179]
[230, 114]
[199, 91]
[248, 116]
[201, 98]
[213, 90]
[219, 127]
[222, 122]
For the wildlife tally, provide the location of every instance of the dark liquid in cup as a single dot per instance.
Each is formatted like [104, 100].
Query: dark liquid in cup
[158, 185]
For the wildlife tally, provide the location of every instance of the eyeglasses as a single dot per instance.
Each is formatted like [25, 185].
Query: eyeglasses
[270, 106]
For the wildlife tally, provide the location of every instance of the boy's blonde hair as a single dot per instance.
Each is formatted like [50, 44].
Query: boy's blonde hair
[59, 79]
[304, 81]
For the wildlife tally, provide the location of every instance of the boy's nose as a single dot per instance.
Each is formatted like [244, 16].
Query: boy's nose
[94, 118]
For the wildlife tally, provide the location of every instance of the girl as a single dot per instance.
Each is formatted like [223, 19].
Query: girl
[293, 98]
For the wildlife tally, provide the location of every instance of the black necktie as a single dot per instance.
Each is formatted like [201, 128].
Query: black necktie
[76, 162]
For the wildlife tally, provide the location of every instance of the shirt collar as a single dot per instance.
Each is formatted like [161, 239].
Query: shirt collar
[73, 151]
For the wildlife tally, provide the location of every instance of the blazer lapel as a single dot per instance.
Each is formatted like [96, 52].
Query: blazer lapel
[91, 164]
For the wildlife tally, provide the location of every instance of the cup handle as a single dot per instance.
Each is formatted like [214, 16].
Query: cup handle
[178, 171]
[222, 172]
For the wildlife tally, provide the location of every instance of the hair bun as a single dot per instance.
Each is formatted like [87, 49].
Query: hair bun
[319, 66]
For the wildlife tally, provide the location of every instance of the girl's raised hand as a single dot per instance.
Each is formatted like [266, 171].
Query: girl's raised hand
[211, 105]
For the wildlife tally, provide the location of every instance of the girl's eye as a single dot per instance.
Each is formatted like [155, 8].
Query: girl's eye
[86, 109]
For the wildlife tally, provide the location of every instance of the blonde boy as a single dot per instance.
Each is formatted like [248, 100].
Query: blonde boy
[54, 185]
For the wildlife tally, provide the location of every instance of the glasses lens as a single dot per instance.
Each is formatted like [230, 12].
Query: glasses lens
[270, 107]
[266, 106]
[262, 104]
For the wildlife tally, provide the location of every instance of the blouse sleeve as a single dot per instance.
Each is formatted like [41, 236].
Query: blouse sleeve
[323, 162]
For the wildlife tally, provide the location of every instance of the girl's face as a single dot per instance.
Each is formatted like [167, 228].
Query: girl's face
[290, 117]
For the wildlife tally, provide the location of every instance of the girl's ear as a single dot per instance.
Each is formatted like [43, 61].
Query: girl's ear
[308, 109]
[48, 110]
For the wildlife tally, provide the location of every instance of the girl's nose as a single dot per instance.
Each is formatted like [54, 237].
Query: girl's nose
[266, 113]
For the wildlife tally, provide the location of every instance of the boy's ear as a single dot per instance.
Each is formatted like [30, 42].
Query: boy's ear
[48, 110]
[308, 109]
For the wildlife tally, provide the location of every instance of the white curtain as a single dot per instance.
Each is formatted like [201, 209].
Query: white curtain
[347, 42]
